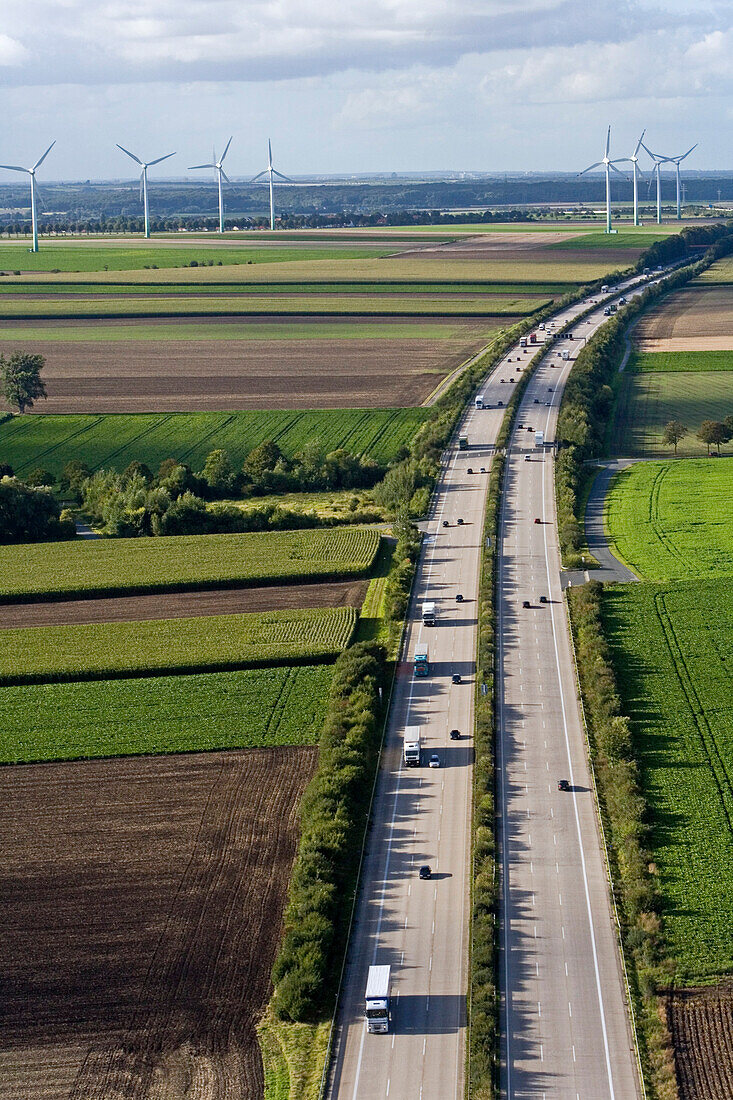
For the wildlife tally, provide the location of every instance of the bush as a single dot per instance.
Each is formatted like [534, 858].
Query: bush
[30, 514]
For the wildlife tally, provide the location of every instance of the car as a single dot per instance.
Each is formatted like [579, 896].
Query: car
[536, 400]
[500, 404]
[530, 428]
[508, 360]
[570, 336]
[502, 379]
[511, 379]
[537, 519]
[528, 458]
[543, 599]
[434, 761]
[548, 404]
[520, 425]
[526, 603]
[563, 785]
[455, 735]
[459, 597]
[459, 521]
[622, 301]
[549, 389]
[445, 523]
[483, 469]
[469, 470]
[425, 871]
[456, 678]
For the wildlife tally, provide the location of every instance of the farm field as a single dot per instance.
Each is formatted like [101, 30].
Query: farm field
[171, 605]
[250, 708]
[142, 904]
[701, 1025]
[59, 291]
[667, 520]
[646, 362]
[646, 402]
[154, 647]
[720, 273]
[694, 318]
[112, 442]
[672, 648]
[242, 365]
[137, 565]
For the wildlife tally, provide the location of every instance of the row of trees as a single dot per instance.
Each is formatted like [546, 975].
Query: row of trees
[713, 433]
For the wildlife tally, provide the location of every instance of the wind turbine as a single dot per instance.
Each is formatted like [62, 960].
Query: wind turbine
[677, 161]
[144, 179]
[658, 162]
[271, 172]
[608, 164]
[220, 174]
[32, 173]
[634, 158]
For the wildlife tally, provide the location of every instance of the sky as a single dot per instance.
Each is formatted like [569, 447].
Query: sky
[344, 86]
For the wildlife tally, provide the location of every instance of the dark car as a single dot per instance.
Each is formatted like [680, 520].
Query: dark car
[537, 519]
[425, 871]
[511, 379]
[530, 428]
[499, 404]
[455, 735]
[459, 597]
[459, 522]
[543, 599]
[456, 678]
[502, 379]
[469, 470]
[536, 400]
[445, 523]
[526, 603]
[483, 469]
[563, 785]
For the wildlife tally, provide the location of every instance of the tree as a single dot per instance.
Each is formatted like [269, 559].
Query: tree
[31, 515]
[713, 432]
[39, 476]
[674, 431]
[219, 474]
[261, 460]
[22, 384]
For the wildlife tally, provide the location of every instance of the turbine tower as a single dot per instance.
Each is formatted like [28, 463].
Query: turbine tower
[658, 162]
[144, 179]
[220, 174]
[32, 173]
[271, 172]
[677, 161]
[634, 158]
[608, 164]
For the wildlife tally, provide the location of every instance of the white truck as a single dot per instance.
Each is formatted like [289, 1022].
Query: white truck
[376, 1011]
[429, 613]
[539, 439]
[411, 747]
[479, 401]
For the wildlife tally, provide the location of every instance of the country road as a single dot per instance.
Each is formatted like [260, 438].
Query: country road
[563, 1008]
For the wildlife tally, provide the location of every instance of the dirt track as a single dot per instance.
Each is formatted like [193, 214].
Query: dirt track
[177, 605]
[142, 900]
[701, 1024]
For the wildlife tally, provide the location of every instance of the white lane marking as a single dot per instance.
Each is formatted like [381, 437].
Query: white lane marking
[388, 1081]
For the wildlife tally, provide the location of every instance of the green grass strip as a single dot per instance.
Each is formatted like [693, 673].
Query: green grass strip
[645, 362]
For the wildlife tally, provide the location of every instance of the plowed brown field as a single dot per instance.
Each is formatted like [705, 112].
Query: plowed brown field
[182, 605]
[141, 906]
[693, 319]
[701, 1024]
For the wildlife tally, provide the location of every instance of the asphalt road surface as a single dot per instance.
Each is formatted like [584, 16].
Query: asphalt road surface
[422, 815]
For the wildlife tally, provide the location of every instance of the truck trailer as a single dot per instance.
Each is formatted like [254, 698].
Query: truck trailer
[539, 439]
[429, 613]
[422, 661]
[411, 747]
[376, 1010]
[479, 401]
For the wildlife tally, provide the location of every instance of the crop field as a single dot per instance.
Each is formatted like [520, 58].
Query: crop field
[667, 520]
[163, 714]
[142, 903]
[647, 402]
[649, 362]
[691, 319]
[156, 646]
[701, 1025]
[112, 442]
[58, 291]
[137, 565]
[246, 365]
[673, 650]
[720, 273]
[632, 239]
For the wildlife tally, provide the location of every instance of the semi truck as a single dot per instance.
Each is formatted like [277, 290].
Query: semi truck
[533, 337]
[411, 747]
[479, 401]
[428, 613]
[463, 443]
[422, 661]
[376, 1011]
[522, 341]
[539, 439]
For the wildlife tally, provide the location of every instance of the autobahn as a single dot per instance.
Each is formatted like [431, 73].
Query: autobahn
[558, 941]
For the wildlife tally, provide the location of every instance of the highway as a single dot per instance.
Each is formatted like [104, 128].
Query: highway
[563, 996]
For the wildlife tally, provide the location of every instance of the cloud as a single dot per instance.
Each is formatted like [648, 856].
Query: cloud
[12, 52]
[102, 41]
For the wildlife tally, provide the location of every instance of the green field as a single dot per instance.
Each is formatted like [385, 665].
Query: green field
[216, 710]
[646, 402]
[55, 257]
[649, 362]
[157, 646]
[97, 566]
[113, 441]
[54, 291]
[190, 305]
[672, 647]
[627, 237]
[718, 274]
[670, 520]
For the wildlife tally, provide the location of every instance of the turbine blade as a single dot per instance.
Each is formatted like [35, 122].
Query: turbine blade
[689, 151]
[648, 150]
[193, 167]
[608, 140]
[226, 150]
[142, 174]
[159, 159]
[131, 155]
[639, 143]
[224, 175]
[591, 167]
[259, 176]
[269, 153]
[282, 177]
[612, 164]
[40, 162]
[15, 168]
